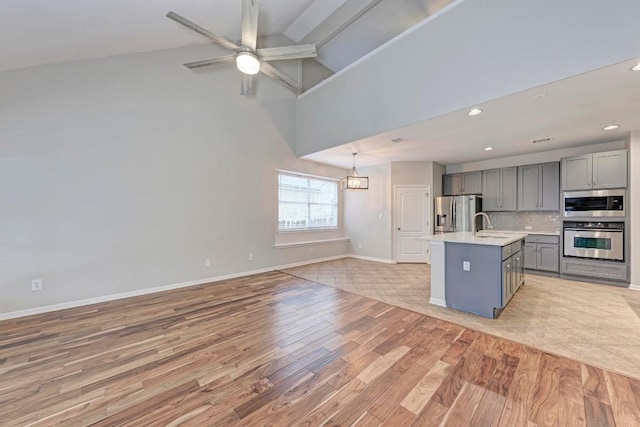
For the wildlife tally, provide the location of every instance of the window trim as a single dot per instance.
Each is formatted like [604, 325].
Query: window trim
[338, 227]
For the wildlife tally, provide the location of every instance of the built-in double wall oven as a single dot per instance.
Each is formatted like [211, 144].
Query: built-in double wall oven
[594, 224]
[594, 240]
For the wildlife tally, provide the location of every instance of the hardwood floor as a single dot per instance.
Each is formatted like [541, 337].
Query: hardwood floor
[273, 349]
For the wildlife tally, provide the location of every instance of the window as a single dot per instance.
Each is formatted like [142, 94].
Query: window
[306, 203]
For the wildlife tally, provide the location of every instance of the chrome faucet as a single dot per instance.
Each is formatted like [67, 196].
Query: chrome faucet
[474, 221]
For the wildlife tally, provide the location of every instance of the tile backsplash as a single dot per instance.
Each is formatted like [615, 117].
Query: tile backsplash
[539, 221]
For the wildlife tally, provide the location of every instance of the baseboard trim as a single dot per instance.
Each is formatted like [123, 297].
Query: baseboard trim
[146, 291]
[634, 287]
[437, 301]
[368, 258]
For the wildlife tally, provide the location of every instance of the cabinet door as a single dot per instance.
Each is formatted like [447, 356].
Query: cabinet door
[452, 184]
[490, 189]
[528, 191]
[548, 257]
[576, 172]
[509, 189]
[446, 185]
[506, 281]
[610, 169]
[518, 272]
[472, 183]
[529, 254]
[549, 187]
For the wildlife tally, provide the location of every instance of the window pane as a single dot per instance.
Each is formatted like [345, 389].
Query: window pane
[306, 203]
[324, 215]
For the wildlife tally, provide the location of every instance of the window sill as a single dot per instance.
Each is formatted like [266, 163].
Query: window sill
[310, 242]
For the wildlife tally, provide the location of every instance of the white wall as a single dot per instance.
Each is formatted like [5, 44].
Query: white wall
[362, 215]
[125, 173]
[634, 214]
[411, 173]
[468, 53]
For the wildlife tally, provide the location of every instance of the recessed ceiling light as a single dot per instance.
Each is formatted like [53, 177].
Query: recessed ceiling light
[401, 139]
[474, 112]
[636, 67]
[488, 148]
[540, 95]
[611, 127]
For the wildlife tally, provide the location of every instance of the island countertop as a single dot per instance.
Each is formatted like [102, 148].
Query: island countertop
[492, 238]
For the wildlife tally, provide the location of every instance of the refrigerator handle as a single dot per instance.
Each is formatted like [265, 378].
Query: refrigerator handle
[454, 218]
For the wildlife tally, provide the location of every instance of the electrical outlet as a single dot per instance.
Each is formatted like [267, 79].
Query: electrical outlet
[528, 227]
[207, 262]
[250, 257]
[466, 265]
[36, 285]
[380, 215]
[359, 245]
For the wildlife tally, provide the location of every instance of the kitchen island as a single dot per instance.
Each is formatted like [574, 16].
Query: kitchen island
[478, 273]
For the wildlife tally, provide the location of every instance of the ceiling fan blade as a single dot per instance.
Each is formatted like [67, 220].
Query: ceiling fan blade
[288, 52]
[270, 71]
[198, 29]
[250, 23]
[210, 62]
[246, 87]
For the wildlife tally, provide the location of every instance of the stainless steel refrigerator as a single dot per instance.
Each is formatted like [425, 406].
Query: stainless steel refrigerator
[455, 213]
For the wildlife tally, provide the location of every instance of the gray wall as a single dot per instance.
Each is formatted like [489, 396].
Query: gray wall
[125, 173]
[474, 52]
[368, 214]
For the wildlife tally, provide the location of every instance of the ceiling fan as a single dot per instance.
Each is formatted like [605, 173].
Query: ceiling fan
[249, 59]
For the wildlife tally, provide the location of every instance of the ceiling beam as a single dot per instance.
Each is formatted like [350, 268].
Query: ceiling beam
[324, 23]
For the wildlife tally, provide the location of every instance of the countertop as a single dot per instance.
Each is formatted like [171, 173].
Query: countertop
[488, 238]
[538, 232]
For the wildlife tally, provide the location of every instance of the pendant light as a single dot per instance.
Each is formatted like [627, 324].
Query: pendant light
[353, 181]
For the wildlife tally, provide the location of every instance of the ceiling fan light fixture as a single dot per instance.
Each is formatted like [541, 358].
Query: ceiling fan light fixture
[354, 181]
[248, 62]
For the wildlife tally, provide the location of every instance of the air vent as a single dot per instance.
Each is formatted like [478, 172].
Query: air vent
[396, 140]
[537, 141]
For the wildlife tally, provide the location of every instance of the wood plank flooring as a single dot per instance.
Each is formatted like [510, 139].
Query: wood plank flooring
[273, 349]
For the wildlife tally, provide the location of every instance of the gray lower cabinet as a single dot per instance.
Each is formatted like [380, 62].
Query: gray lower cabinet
[539, 187]
[542, 252]
[512, 273]
[499, 189]
[462, 183]
[595, 171]
[595, 269]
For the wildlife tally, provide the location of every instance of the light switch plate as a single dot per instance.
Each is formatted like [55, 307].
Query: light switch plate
[466, 265]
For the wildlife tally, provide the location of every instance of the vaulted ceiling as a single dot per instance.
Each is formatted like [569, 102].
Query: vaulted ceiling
[36, 32]
[573, 110]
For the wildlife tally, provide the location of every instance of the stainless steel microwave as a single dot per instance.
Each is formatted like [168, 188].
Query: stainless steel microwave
[594, 203]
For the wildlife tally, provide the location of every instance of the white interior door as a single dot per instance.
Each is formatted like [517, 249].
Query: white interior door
[412, 214]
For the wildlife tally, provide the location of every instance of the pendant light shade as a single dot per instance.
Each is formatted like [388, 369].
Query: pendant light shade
[354, 181]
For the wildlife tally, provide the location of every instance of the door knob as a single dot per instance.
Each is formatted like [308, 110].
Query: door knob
[398, 228]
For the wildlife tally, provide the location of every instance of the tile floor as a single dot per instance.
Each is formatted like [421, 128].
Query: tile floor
[595, 324]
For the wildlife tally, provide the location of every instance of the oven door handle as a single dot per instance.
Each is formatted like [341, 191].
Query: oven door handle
[607, 230]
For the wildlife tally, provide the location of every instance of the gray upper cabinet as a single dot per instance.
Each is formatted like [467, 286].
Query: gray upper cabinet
[462, 183]
[539, 187]
[499, 189]
[610, 169]
[593, 171]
